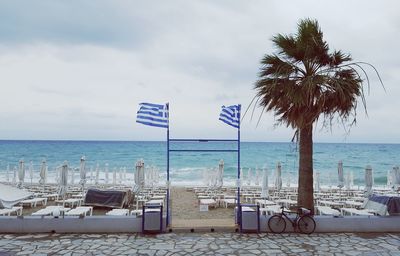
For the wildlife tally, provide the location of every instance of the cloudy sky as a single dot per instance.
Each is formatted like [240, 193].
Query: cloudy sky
[78, 69]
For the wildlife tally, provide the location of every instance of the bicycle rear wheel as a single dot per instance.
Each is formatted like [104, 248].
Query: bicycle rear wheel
[277, 224]
[306, 224]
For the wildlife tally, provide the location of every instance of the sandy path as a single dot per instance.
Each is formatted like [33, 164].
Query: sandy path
[184, 206]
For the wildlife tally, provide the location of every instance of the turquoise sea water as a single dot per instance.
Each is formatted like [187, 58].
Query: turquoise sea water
[187, 167]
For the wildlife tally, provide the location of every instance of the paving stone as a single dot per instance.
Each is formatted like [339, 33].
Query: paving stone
[200, 244]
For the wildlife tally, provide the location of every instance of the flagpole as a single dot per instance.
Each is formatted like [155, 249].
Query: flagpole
[168, 168]
[238, 173]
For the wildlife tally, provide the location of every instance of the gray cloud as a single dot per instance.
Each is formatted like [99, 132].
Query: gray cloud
[90, 62]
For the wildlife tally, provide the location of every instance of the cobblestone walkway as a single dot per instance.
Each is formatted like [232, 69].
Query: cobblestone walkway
[201, 244]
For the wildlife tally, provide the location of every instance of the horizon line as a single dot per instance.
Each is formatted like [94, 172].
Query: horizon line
[252, 141]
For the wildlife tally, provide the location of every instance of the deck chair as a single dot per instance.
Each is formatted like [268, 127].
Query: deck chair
[49, 210]
[272, 209]
[326, 210]
[118, 212]
[229, 201]
[8, 211]
[80, 211]
[353, 211]
[208, 202]
[33, 202]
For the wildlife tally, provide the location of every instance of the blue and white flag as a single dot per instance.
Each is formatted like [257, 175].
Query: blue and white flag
[153, 115]
[231, 115]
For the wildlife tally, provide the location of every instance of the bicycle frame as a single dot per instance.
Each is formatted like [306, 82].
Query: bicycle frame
[294, 221]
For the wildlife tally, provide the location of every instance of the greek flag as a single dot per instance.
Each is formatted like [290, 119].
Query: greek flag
[153, 115]
[231, 115]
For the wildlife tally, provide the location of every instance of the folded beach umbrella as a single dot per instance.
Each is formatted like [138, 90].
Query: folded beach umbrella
[63, 184]
[257, 177]
[58, 171]
[31, 171]
[72, 176]
[114, 180]
[394, 177]
[397, 176]
[215, 177]
[221, 173]
[147, 171]
[141, 174]
[249, 177]
[278, 177]
[288, 181]
[96, 181]
[351, 179]
[369, 180]
[21, 173]
[347, 183]
[8, 173]
[340, 175]
[91, 174]
[121, 174]
[14, 181]
[106, 173]
[82, 173]
[317, 182]
[137, 170]
[264, 187]
[42, 173]
[389, 179]
[241, 180]
[330, 180]
[157, 175]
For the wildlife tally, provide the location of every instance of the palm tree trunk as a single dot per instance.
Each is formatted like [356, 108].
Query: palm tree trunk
[305, 190]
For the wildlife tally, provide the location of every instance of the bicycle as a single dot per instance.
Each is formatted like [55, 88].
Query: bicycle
[303, 221]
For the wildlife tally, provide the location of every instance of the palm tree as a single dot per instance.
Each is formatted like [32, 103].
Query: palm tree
[304, 82]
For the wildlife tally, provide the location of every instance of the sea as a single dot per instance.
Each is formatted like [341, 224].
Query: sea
[189, 168]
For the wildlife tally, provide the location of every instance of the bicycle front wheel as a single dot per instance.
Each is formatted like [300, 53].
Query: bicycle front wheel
[306, 224]
[277, 224]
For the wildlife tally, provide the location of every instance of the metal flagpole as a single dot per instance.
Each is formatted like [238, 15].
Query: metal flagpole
[167, 105]
[238, 173]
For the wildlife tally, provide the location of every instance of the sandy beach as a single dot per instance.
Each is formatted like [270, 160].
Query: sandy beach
[184, 205]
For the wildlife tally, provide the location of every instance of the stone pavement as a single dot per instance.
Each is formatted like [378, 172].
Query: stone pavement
[200, 244]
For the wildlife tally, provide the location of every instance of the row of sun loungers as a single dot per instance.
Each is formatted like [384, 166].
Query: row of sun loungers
[126, 212]
[78, 211]
[333, 202]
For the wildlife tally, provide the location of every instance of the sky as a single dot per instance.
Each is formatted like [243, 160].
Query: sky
[77, 70]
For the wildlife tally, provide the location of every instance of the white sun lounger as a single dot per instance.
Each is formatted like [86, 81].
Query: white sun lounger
[228, 201]
[271, 209]
[51, 196]
[80, 211]
[33, 202]
[208, 202]
[326, 210]
[49, 210]
[16, 209]
[352, 211]
[71, 202]
[136, 213]
[118, 212]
